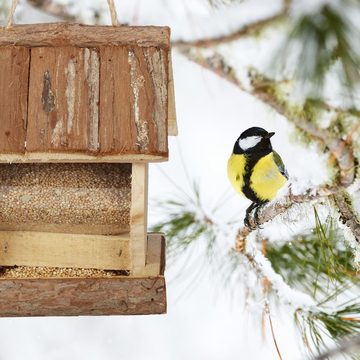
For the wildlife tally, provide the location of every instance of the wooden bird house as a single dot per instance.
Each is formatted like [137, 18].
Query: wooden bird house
[83, 110]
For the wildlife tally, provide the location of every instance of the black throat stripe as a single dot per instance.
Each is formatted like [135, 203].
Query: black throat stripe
[251, 160]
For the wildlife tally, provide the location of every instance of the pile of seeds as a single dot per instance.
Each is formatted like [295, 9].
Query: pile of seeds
[38, 272]
[67, 198]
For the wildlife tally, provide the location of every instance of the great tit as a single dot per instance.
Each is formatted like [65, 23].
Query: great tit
[255, 169]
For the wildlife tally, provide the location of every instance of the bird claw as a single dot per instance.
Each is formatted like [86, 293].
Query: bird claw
[255, 221]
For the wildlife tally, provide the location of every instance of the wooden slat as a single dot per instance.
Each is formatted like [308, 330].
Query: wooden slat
[63, 100]
[117, 131]
[157, 66]
[133, 100]
[138, 217]
[14, 67]
[155, 255]
[79, 158]
[83, 296]
[64, 250]
[172, 122]
[65, 34]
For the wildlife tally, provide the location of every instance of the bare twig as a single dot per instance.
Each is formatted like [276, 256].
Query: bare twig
[246, 30]
[52, 8]
[267, 310]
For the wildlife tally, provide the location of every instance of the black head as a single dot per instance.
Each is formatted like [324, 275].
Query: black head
[254, 140]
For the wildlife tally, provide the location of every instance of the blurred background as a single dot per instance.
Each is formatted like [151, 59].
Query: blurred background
[289, 290]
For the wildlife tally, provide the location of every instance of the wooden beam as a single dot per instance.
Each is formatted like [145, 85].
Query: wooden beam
[39, 157]
[117, 295]
[138, 217]
[83, 296]
[172, 122]
[155, 254]
[14, 67]
[64, 250]
[65, 34]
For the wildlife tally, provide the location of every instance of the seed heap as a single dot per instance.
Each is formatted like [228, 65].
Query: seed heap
[67, 198]
[38, 272]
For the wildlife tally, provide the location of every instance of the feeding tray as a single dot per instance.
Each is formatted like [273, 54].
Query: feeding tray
[86, 109]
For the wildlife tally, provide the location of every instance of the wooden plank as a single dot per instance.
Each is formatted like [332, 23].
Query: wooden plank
[138, 217]
[157, 65]
[133, 100]
[63, 100]
[117, 130]
[83, 296]
[65, 34]
[14, 67]
[155, 255]
[172, 122]
[54, 157]
[64, 250]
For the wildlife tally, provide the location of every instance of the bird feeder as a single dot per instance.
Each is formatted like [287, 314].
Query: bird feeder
[83, 110]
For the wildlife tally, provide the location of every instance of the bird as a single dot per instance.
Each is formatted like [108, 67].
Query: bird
[255, 170]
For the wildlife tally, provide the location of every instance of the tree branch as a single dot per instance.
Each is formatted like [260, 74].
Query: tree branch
[52, 8]
[245, 30]
[347, 214]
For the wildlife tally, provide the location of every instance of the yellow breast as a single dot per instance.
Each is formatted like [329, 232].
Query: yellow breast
[236, 170]
[266, 179]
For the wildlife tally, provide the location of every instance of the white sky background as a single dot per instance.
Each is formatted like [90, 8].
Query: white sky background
[204, 321]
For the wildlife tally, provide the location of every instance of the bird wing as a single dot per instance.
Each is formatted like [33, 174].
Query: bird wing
[280, 164]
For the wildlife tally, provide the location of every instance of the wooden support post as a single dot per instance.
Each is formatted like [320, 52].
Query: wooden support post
[172, 123]
[138, 217]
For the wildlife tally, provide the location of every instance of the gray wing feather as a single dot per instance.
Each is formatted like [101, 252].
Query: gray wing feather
[280, 164]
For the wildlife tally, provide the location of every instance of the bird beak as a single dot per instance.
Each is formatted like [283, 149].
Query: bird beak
[269, 135]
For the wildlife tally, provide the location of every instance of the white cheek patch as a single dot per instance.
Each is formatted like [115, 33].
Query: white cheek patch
[249, 142]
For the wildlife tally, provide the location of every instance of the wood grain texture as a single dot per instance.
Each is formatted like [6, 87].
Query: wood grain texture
[33, 248]
[117, 130]
[138, 217]
[14, 68]
[134, 118]
[155, 254]
[172, 121]
[73, 297]
[79, 158]
[63, 100]
[65, 34]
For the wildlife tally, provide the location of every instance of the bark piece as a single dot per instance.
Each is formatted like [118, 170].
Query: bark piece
[86, 296]
[63, 100]
[65, 34]
[14, 67]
